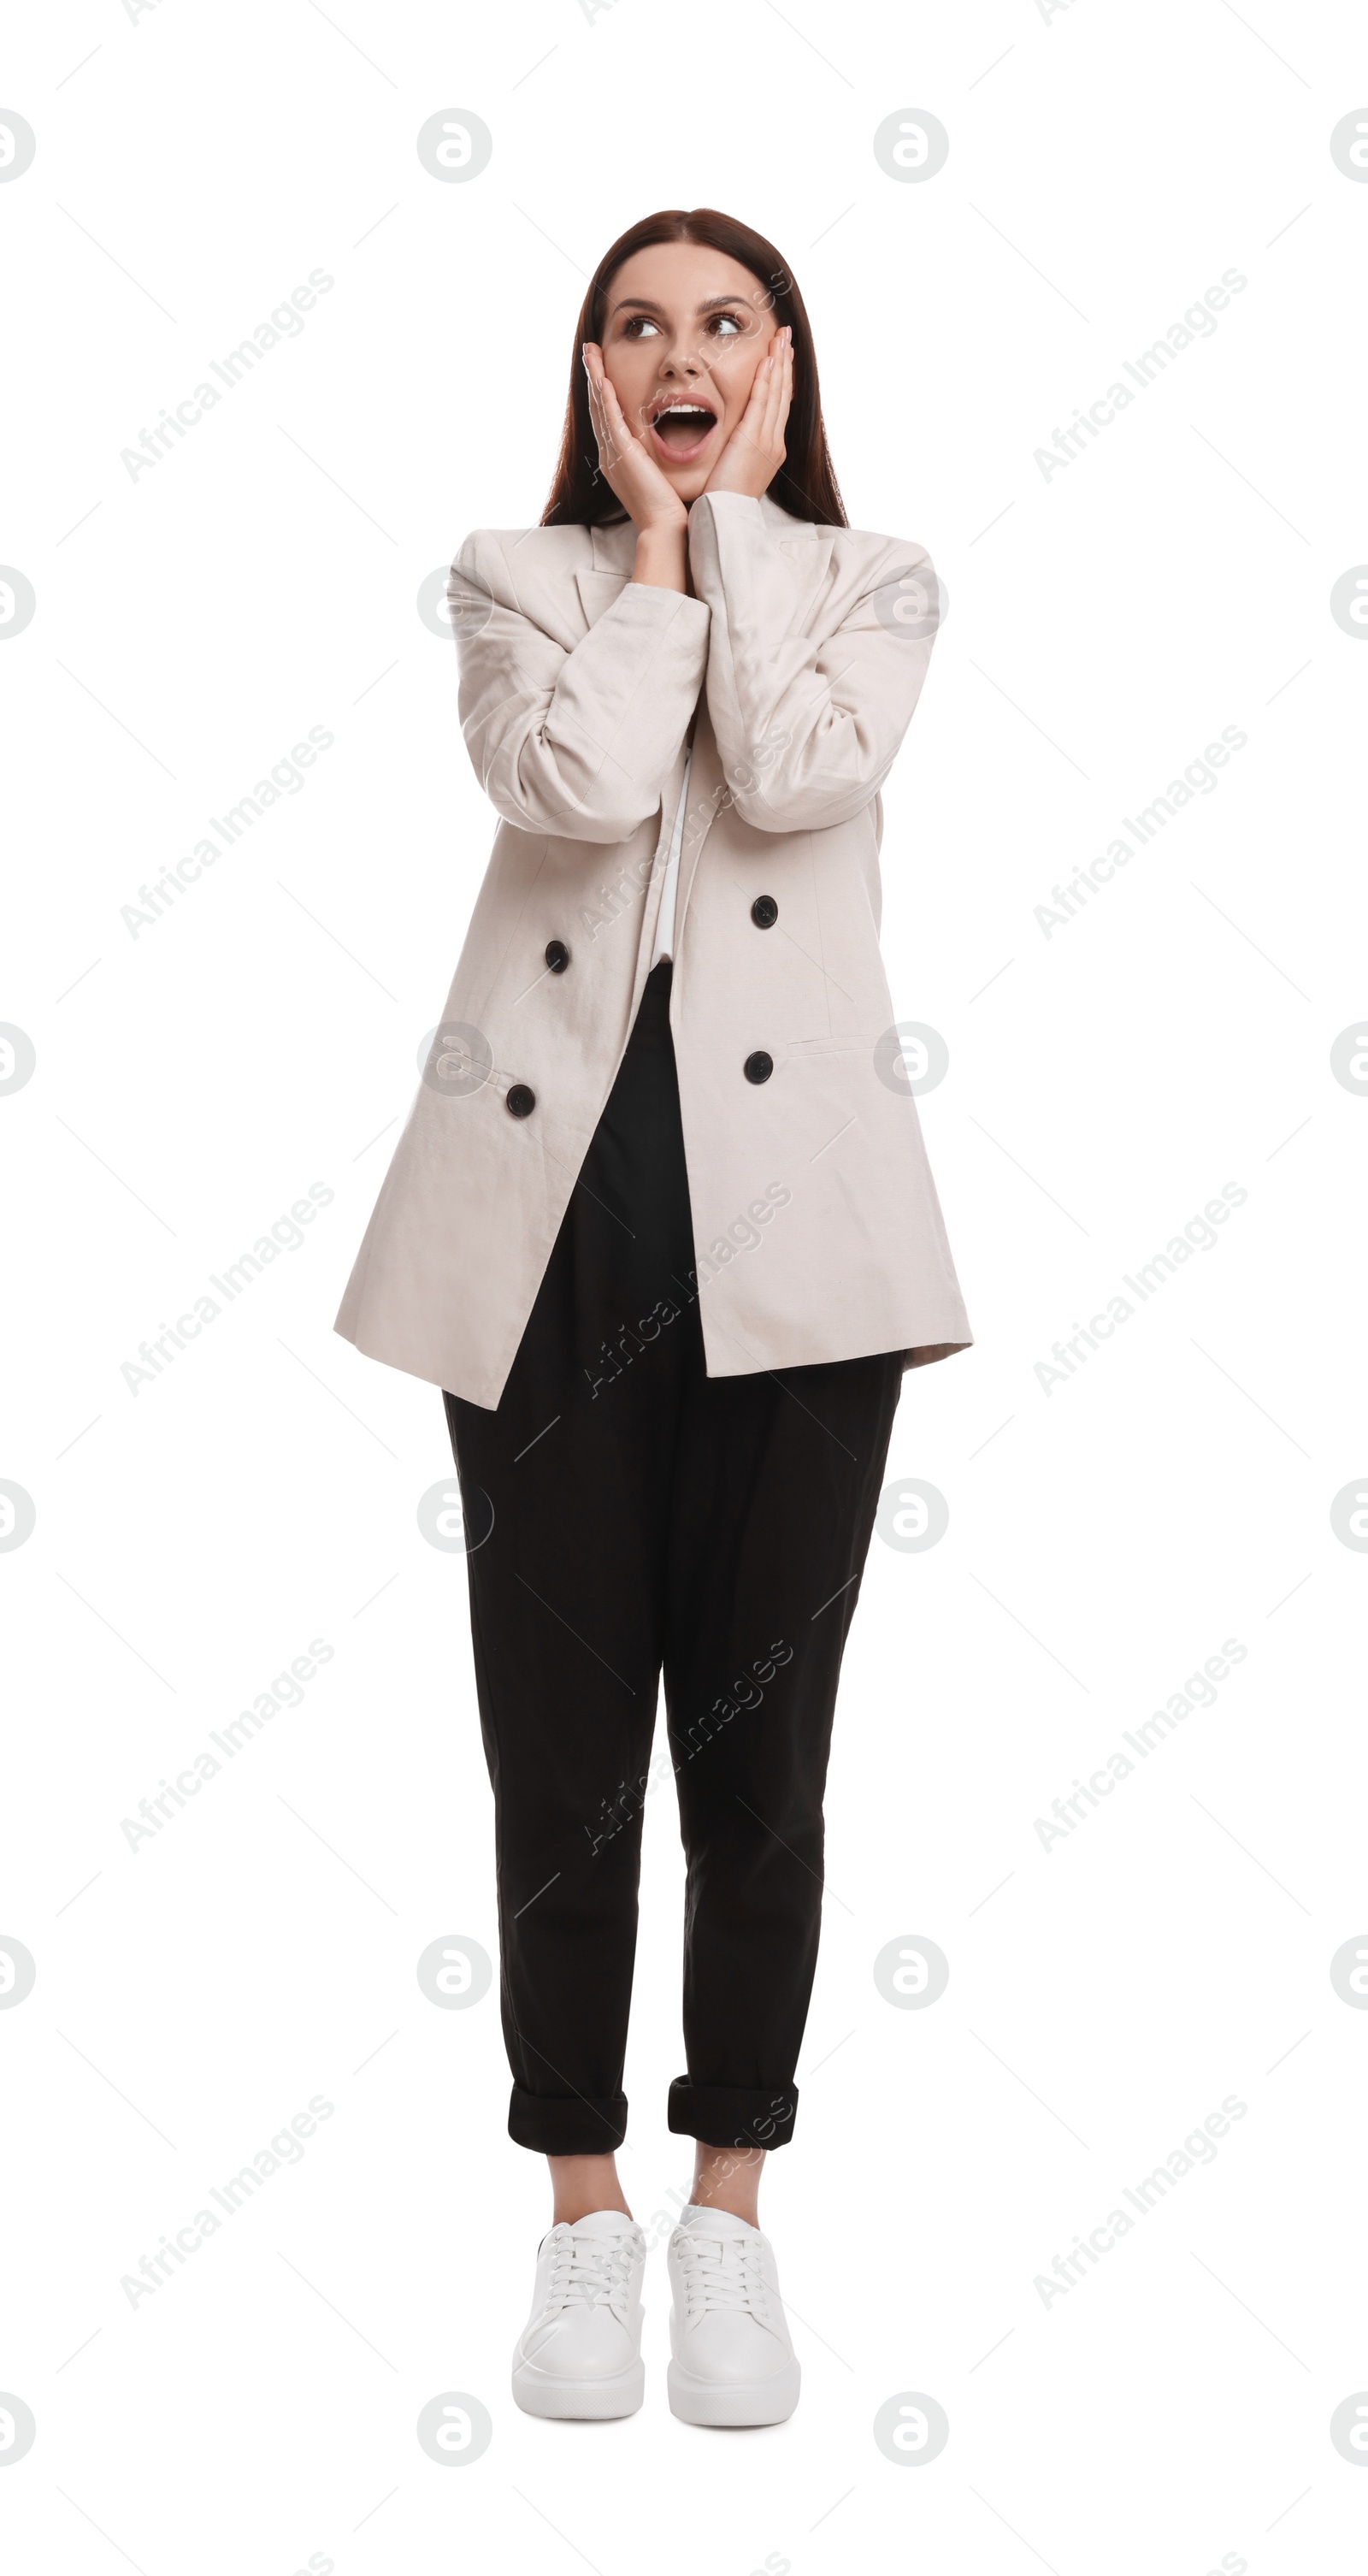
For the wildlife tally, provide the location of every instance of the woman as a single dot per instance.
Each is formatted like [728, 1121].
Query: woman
[661, 1226]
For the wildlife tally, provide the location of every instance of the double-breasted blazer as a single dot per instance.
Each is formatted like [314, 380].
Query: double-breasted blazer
[817, 1231]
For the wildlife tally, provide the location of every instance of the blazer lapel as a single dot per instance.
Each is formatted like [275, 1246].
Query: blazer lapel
[612, 551]
[807, 548]
[597, 591]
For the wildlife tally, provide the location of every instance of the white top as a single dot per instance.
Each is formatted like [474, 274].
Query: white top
[665, 919]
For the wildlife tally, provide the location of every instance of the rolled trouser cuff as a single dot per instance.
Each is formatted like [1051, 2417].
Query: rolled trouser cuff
[733, 2115]
[567, 2124]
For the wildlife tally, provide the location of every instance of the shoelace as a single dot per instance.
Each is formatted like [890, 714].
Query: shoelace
[595, 2270]
[722, 2272]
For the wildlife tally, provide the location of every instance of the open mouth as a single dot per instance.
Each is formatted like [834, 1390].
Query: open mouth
[681, 430]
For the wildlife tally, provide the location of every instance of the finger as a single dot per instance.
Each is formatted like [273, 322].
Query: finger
[779, 376]
[634, 429]
[785, 390]
[772, 372]
[608, 420]
[751, 425]
[781, 395]
[612, 407]
[618, 430]
[593, 368]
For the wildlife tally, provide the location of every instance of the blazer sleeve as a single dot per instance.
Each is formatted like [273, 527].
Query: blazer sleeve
[575, 743]
[806, 730]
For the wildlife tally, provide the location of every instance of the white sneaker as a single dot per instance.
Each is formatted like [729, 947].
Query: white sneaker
[734, 2361]
[580, 2350]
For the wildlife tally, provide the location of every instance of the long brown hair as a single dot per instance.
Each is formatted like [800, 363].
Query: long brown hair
[805, 484]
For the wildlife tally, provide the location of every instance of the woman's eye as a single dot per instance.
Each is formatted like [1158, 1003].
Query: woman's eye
[731, 323]
[636, 327]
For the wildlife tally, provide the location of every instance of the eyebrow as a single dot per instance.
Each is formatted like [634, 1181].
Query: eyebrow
[645, 304]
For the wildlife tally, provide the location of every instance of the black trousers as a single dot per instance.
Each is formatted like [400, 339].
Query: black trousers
[628, 1513]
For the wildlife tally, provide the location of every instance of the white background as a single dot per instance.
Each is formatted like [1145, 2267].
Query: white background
[1107, 164]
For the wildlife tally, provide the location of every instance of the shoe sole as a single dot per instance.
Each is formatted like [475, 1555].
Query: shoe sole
[590, 2400]
[702, 2401]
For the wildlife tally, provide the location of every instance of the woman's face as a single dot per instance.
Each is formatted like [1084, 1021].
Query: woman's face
[684, 331]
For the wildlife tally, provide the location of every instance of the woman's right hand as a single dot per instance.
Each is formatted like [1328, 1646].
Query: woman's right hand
[625, 461]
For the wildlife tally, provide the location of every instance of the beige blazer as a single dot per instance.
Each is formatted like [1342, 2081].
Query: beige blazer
[817, 1231]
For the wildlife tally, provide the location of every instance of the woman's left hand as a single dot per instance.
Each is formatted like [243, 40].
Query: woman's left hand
[755, 450]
